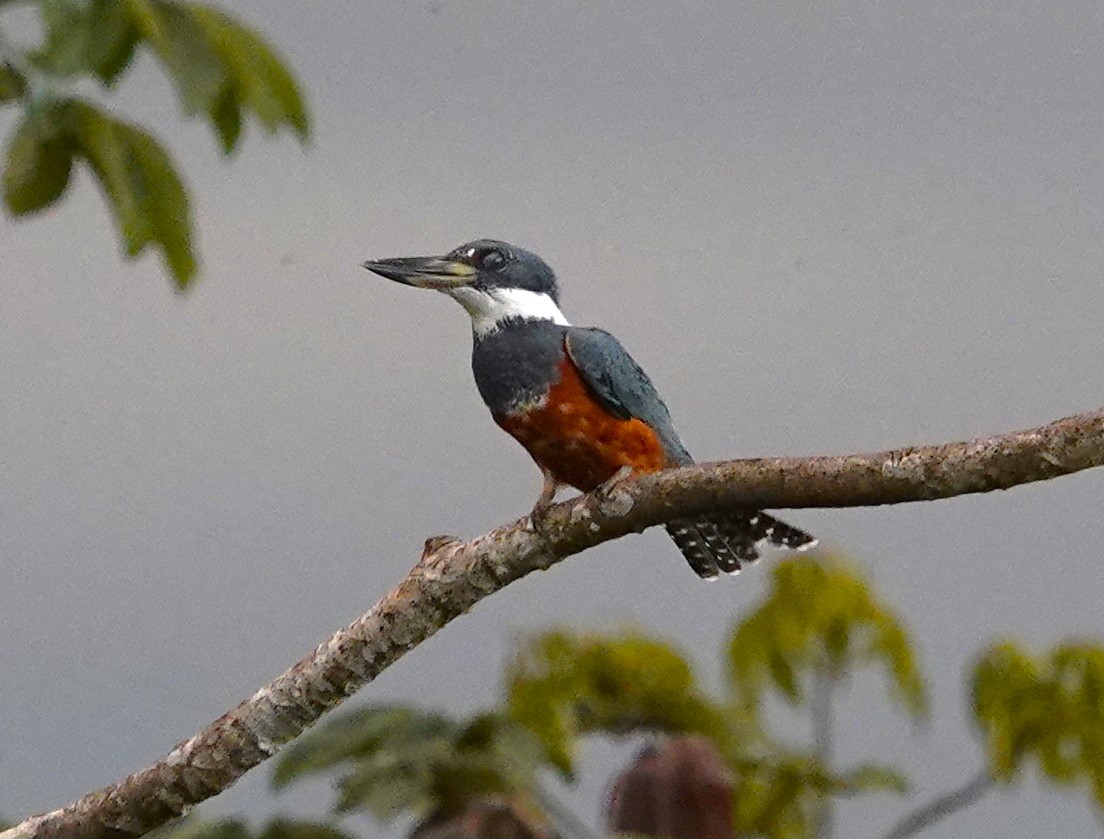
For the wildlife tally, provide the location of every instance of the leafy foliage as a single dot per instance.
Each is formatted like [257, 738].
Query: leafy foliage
[821, 618]
[472, 777]
[147, 196]
[1051, 709]
[40, 157]
[778, 795]
[193, 828]
[12, 84]
[872, 777]
[143, 190]
[96, 38]
[221, 69]
[395, 759]
[563, 685]
[778, 800]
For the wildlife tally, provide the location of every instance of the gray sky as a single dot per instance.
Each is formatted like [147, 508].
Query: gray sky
[821, 228]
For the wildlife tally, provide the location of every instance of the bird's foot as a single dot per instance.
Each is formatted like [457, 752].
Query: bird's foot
[539, 514]
[539, 517]
[606, 490]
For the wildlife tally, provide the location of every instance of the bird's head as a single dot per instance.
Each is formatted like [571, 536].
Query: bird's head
[495, 282]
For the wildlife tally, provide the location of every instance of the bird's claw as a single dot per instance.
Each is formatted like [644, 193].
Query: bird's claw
[539, 517]
[606, 489]
[539, 514]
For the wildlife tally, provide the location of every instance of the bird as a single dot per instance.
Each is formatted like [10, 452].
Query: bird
[573, 397]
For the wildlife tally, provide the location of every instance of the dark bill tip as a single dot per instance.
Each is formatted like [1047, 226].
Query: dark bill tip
[423, 271]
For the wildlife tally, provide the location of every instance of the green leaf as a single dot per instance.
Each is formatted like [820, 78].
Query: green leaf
[355, 734]
[12, 84]
[393, 759]
[890, 644]
[194, 828]
[143, 190]
[112, 40]
[67, 35]
[1050, 709]
[874, 777]
[383, 794]
[226, 116]
[195, 66]
[820, 619]
[143, 15]
[1005, 693]
[39, 159]
[220, 67]
[92, 36]
[262, 82]
[491, 753]
[779, 798]
[783, 676]
[300, 829]
[564, 685]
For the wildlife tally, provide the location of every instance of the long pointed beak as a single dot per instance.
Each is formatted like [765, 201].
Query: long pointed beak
[424, 271]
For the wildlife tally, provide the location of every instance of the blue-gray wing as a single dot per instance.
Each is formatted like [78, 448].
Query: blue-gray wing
[617, 381]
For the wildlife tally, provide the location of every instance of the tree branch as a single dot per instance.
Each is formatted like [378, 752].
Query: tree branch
[452, 576]
[943, 806]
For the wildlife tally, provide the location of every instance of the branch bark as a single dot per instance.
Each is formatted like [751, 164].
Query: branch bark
[452, 576]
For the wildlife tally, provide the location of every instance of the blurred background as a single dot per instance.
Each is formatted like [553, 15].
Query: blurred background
[820, 227]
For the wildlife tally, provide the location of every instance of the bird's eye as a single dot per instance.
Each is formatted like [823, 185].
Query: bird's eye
[492, 260]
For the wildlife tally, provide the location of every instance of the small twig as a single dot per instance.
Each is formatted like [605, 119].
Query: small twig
[820, 708]
[943, 806]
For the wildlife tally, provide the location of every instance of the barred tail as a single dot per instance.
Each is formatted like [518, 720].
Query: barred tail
[706, 550]
[725, 544]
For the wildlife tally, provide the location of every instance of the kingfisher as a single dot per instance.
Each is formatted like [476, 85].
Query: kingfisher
[573, 396]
